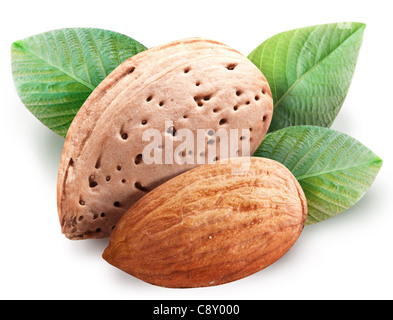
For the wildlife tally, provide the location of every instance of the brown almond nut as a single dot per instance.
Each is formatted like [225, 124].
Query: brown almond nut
[193, 83]
[211, 225]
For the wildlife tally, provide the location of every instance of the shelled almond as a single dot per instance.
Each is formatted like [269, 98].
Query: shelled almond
[211, 225]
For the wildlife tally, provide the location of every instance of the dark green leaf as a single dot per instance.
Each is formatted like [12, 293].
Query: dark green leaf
[334, 170]
[55, 71]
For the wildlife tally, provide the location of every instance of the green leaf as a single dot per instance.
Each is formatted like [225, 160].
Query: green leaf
[334, 170]
[309, 71]
[54, 72]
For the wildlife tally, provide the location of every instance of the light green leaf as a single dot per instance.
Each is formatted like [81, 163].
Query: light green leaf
[309, 71]
[334, 170]
[54, 72]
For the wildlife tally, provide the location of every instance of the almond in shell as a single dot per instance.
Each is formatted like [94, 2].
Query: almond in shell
[191, 84]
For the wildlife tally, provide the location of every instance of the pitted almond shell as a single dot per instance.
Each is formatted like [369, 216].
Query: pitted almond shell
[193, 83]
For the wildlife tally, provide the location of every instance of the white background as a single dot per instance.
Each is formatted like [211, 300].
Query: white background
[346, 257]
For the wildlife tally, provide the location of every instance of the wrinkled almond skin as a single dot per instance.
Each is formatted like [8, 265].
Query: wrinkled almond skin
[193, 83]
[211, 225]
